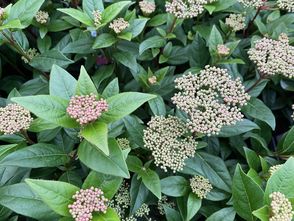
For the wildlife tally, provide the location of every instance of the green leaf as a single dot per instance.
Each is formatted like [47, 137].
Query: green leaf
[137, 26]
[20, 199]
[14, 24]
[157, 106]
[111, 89]
[252, 159]
[7, 149]
[215, 38]
[110, 215]
[92, 5]
[57, 195]
[212, 168]
[152, 42]
[139, 194]
[135, 130]
[123, 104]
[171, 214]
[151, 181]
[288, 144]
[104, 40]
[62, 83]
[114, 164]
[225, 214]
[50, 108]
[107, 183]
[80, 46]
[175, 186]
[113, 10]
[281, 181]
[35, 156]
[78, 15]
[25, 11]
[257, 109]
[46, 60]
[127, 59]
[240, 127]
[193, 205]
[247, 195]
[96, 134]
[262, 213]
[85, 85]
[221, 5]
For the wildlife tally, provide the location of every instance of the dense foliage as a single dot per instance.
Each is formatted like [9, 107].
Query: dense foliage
[149, 110]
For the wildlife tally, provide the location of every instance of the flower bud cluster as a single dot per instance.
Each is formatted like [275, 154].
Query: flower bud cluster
[42, 17]
[97, 17]
[275, 168]
[147, 7]
[200, 186]
[2, 14]
[236, 22]
[85, 108]
[166, 138]
[287, 5]
[252, 3]
[223, 50]
[164, 202]
[124, 143]
[281, 207]
[273, 56]
[86, 202]
[211, 99]
[118, 25]
[14, 118]
[30, 54]
[122, 200]
[186, 8]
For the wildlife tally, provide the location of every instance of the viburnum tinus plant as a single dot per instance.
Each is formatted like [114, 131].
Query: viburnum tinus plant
[148, 110]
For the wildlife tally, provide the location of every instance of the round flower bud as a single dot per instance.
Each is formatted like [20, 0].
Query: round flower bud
[30, 54]
[118, 25]
[14, 118]
[42, 17]
[86, 109]
[275, 168]
[166, 138]
[211, 99]
[200, 186]
[236, 22]
[223, 50]
[273, 56]
[152, 80]
[86, 202]
[281, 207]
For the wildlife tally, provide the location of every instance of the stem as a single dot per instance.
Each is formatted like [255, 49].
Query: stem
[256, 83]
[26, 136]
[245, 32]
[173, 25]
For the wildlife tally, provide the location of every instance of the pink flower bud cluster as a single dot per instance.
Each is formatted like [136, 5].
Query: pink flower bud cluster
[167, 139]
[273, 56]
[281, 207]
[86, 202]
[147, 7]
[14, 118]
[186, 8]
[223, 50]
[211, 99]
[287, 5]
[85, 108]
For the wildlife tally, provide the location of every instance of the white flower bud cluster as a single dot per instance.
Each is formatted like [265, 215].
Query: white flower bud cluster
[186, 8]
[236, 22]
[273, 56]
[200, 186]
[252, 3]
[14, 118]
[275, 168]
[287, 5]
[97, 17]
[118, 25]
[281, 207]
[124, 143]
[152, 80]
[147, 7]
[164, 202]
[42, 17]
[165, 137]
[30, 54]
[212, 99]
[223, 50]
[121, 200]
